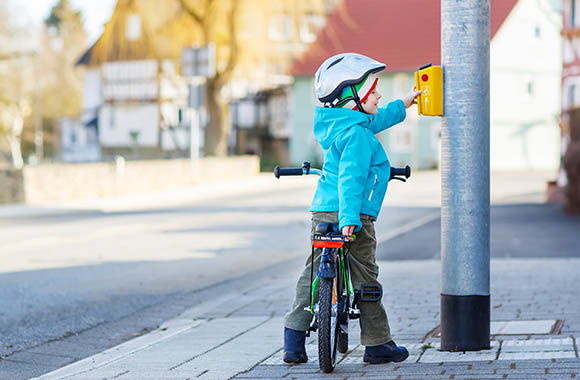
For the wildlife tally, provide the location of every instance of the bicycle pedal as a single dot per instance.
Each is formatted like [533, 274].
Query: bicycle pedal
[353, 313]
[370, 292]
[313, 327]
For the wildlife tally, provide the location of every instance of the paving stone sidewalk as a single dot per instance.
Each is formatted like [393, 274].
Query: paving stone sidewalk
[239, 335]
[522, 290]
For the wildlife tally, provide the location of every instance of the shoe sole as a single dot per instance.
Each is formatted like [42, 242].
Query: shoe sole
[294, 360]
[382, 360]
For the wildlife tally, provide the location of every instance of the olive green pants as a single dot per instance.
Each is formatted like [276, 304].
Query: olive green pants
[374, 324]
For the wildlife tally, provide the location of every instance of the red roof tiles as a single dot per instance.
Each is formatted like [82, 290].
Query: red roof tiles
[405, 34]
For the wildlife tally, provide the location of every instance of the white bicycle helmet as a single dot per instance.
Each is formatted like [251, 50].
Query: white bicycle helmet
[346, 70]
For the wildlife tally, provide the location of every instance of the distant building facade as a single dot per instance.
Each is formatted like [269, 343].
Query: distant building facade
[133, 88]
[570, 117]
[525, 71]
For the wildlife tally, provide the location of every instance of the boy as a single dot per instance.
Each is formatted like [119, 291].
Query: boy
[351, 192]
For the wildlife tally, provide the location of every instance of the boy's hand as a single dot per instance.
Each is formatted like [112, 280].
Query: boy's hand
[347, 231]
[411, 98]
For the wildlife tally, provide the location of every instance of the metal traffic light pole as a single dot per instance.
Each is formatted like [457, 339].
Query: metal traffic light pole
[465, 185]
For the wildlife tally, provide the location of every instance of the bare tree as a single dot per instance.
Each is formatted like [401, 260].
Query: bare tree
[14, 88]
[47, 73]
[61, 81]
[205, 12]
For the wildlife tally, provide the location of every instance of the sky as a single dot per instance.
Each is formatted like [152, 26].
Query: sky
[95, 12]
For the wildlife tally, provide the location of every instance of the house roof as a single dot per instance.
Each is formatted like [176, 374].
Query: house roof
[403, 34]
[159, 38]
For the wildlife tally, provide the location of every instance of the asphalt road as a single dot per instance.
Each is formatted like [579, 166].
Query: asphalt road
[538, 222]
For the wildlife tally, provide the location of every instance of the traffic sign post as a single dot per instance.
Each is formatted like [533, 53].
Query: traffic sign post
[198, 64]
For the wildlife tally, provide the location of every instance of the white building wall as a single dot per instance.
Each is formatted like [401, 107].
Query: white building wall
[92, 90]
[118, 121]
[79, 143]
[526, 60]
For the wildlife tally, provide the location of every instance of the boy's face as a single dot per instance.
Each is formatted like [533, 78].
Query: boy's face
[371, 103]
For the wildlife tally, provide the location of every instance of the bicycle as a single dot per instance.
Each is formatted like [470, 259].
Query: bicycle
[337, 300]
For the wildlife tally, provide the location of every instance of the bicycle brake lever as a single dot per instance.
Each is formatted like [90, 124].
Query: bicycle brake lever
[400, 179]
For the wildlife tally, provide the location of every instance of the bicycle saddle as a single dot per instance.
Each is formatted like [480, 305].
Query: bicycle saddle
[327, 228]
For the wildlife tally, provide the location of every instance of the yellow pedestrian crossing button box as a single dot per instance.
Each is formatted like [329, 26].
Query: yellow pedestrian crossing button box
[429, 80]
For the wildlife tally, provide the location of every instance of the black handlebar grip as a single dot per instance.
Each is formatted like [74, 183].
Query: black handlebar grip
[406, 171]
[278, 171]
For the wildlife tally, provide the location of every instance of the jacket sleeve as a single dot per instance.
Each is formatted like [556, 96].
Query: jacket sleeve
[353, 169]
[393, 113]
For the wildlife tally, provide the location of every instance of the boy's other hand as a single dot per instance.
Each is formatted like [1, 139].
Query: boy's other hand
[411, 98]
[347, 231]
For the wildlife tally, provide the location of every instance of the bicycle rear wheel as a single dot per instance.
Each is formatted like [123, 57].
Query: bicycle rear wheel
[343, 309]
[327, 324]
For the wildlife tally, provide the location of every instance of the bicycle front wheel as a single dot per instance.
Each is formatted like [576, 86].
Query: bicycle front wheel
[327, 324]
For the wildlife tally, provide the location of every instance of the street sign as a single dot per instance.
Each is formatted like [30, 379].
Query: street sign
[196, 97]
[198, 61]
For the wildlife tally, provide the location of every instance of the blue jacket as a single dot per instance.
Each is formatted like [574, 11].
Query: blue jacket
[356, 168]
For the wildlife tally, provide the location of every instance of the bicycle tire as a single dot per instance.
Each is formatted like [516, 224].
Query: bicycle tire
[343, 302]
[327, 325]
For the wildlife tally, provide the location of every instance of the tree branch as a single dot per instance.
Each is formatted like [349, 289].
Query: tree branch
[190, 11]
[224, 76]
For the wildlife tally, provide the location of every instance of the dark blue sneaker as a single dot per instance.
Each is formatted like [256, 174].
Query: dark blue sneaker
[294, 346]
[385, 353]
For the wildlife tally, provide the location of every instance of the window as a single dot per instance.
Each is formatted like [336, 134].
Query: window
[309, 26]
[92, 137]
[531, 88]
[573, 14]
[538, 32]
[111, 117]
[571, 91]
[133, 27]
[568, 54]
[281, 28]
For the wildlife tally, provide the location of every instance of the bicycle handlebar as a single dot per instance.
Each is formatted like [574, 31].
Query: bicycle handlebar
[396, 173]
[278, 171]
[405, 172]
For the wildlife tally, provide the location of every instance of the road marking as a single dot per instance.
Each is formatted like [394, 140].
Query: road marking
[408, 227]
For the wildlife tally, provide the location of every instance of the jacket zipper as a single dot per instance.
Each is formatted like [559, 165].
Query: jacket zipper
[373, 189]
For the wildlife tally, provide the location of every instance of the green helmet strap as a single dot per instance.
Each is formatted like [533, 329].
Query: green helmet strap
[351, 95]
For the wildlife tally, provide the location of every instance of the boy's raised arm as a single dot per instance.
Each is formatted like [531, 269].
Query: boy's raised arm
[392, 114]
[353, 169]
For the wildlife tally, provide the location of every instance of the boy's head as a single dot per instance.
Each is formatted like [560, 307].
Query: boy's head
[348, 80]
[366, 91]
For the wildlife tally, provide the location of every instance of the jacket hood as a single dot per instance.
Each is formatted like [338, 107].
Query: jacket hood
[330, 122]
